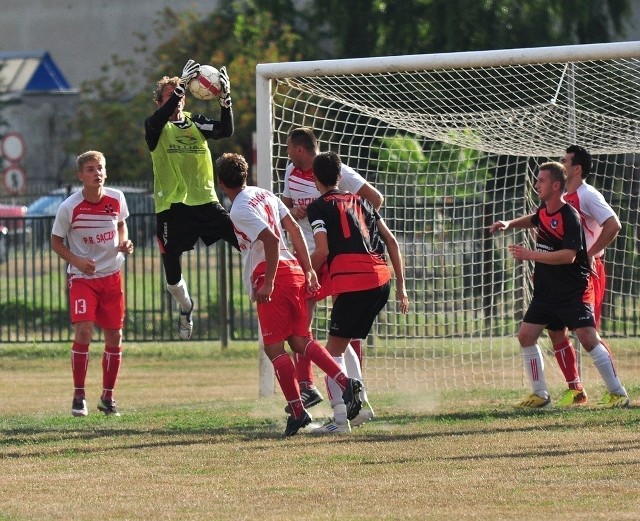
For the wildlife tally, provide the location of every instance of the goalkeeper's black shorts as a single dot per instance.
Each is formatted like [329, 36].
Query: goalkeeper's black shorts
[179, 228]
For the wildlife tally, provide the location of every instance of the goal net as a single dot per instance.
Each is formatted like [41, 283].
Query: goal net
[453, 142]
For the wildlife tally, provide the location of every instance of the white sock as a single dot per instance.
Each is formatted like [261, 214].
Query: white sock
[340, 414]
[602, 360]
[534, 367]
[333, 389]
[180, 293]
[354, 370]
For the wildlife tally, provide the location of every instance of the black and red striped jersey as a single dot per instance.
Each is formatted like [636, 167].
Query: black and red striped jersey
[356, 251]
[557, 231]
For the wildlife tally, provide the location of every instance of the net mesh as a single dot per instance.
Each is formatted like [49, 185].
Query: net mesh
[453, 151]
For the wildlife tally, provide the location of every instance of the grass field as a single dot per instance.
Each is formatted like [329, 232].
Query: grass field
[195, 442]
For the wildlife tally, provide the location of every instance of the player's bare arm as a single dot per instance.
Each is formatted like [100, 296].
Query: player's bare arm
[271, 249]
[372, 195]
[86, 266]
[520, 252]
[524, 221]
[396, 261]
[302, 251]
[321, 252]
[297, 212]
[124, 244]
[610, 229]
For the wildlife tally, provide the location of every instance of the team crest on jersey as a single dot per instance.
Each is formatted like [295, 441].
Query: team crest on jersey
[554, 223]
[108, 208]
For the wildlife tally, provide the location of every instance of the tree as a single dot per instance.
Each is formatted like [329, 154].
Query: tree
[242, 34]
[112, 113]
[360, 28]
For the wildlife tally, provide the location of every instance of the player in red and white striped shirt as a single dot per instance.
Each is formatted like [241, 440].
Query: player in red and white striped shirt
[299, 191]
[92, 221]
[278, 282]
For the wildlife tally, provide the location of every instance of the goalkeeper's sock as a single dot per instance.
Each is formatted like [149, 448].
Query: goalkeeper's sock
[534, 367]
[565, 354]
[180, 293]
[604, 364]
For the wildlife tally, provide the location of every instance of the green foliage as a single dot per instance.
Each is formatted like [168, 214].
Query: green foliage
[38, 316]
[113, 110]
[445, 172]
[361, 28]
[242, 34]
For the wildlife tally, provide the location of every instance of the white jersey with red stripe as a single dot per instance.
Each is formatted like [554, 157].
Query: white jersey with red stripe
[91, 230]
[593, 210]
[253, 210]
[300, 188]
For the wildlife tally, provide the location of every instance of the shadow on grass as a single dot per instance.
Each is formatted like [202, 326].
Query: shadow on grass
[126, 433]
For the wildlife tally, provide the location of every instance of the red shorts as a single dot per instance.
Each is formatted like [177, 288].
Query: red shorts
[324, 278]
[284, 315]
[599, 285]
[97, 300]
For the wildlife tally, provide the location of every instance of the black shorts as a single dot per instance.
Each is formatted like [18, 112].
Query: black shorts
[179, 228]
[353, 313]
[555, 317]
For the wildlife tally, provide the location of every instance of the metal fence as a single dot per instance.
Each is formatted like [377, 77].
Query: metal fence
[454, 299]
[33, 293]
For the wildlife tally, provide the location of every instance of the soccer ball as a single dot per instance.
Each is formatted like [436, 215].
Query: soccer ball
[206, 85]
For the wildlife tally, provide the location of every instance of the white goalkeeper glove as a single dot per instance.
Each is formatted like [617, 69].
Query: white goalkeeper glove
[189, 72]
[225, 91]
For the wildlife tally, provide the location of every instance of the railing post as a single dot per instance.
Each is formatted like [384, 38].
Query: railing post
[223, 294]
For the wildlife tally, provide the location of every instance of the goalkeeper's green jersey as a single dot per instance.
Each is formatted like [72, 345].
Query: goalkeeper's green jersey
[182, 166]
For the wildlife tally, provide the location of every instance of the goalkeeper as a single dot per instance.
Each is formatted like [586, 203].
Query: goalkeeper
[186, 204]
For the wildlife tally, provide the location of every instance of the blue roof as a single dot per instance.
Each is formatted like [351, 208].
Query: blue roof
[31, 71]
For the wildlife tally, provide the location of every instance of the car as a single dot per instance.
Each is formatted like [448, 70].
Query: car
[141, 222]
[12, 227]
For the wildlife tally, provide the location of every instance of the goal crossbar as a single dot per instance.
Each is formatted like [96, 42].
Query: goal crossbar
[453, 60]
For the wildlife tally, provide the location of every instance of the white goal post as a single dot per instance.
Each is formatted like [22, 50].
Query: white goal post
[453, 141]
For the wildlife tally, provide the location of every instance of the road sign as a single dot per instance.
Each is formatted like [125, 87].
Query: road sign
[12, 147]
[14, 179]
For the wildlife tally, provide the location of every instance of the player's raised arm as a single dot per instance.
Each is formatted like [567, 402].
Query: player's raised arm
[524, 221]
